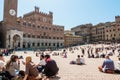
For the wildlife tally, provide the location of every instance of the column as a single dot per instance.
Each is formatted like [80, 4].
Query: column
[21, 43]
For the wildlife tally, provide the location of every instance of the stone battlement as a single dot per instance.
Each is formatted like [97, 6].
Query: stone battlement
[39, 12]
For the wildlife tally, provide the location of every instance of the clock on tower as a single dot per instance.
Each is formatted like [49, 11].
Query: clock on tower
[10, 10]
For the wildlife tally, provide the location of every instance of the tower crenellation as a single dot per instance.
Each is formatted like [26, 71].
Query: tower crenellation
[36, 9]
[117, 19]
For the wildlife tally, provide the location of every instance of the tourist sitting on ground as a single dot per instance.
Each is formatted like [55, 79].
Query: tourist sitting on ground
[55, 54]
[78, 60]
[13, 65]
[117, 67]
[110, 54]
[82, 60]
[64, 54]
[97, 55]
[41, 64]
[20, 76]
[92, 55]
[107, 66]
[31, 72]
[2, 62]
[37, 54]
[119, 52]
[20, 57]
[102, 55]
[51, 68]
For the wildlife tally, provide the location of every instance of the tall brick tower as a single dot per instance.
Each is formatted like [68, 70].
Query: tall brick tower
[9, 22]
[10, 10]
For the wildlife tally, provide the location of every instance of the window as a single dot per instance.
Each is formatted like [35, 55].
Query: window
[29, 24]
[42, 27]
[38, 26]
[45, 44]
[49, 21]
[42, 44]
[57, 37]
[61, 37]
[33, 36]
[33, 25]
[28, 35]
[46, 37]
[24, 23]
[53, 44]
[46, 28]
[61, 44]
[18, 22]
[54, 29]
[24, 35]
[38, 36]
[38, 44]
[33, 44]
[38, 19]
[53, 37]
[44, 33]
[42, 37]
[49, 44]
[114, 35]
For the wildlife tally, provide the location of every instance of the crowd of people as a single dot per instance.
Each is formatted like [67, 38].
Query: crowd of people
[108, 66]
[10, 70]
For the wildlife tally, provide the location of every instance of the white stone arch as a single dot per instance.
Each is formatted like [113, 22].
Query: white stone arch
[11, 34]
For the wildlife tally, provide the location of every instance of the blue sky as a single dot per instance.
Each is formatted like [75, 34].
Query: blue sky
[71, 13]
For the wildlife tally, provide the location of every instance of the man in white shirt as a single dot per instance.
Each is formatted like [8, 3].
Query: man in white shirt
[41, 64]
[117, 67]
[82, 60]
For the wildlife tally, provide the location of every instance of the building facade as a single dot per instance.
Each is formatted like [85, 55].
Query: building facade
[84, 31]
[112, 31]
[108, 32]
[70, 39]
[34, 30]
[98, 33]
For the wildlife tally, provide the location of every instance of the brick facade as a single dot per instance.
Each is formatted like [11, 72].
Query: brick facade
[36, 27]
[108, 32]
